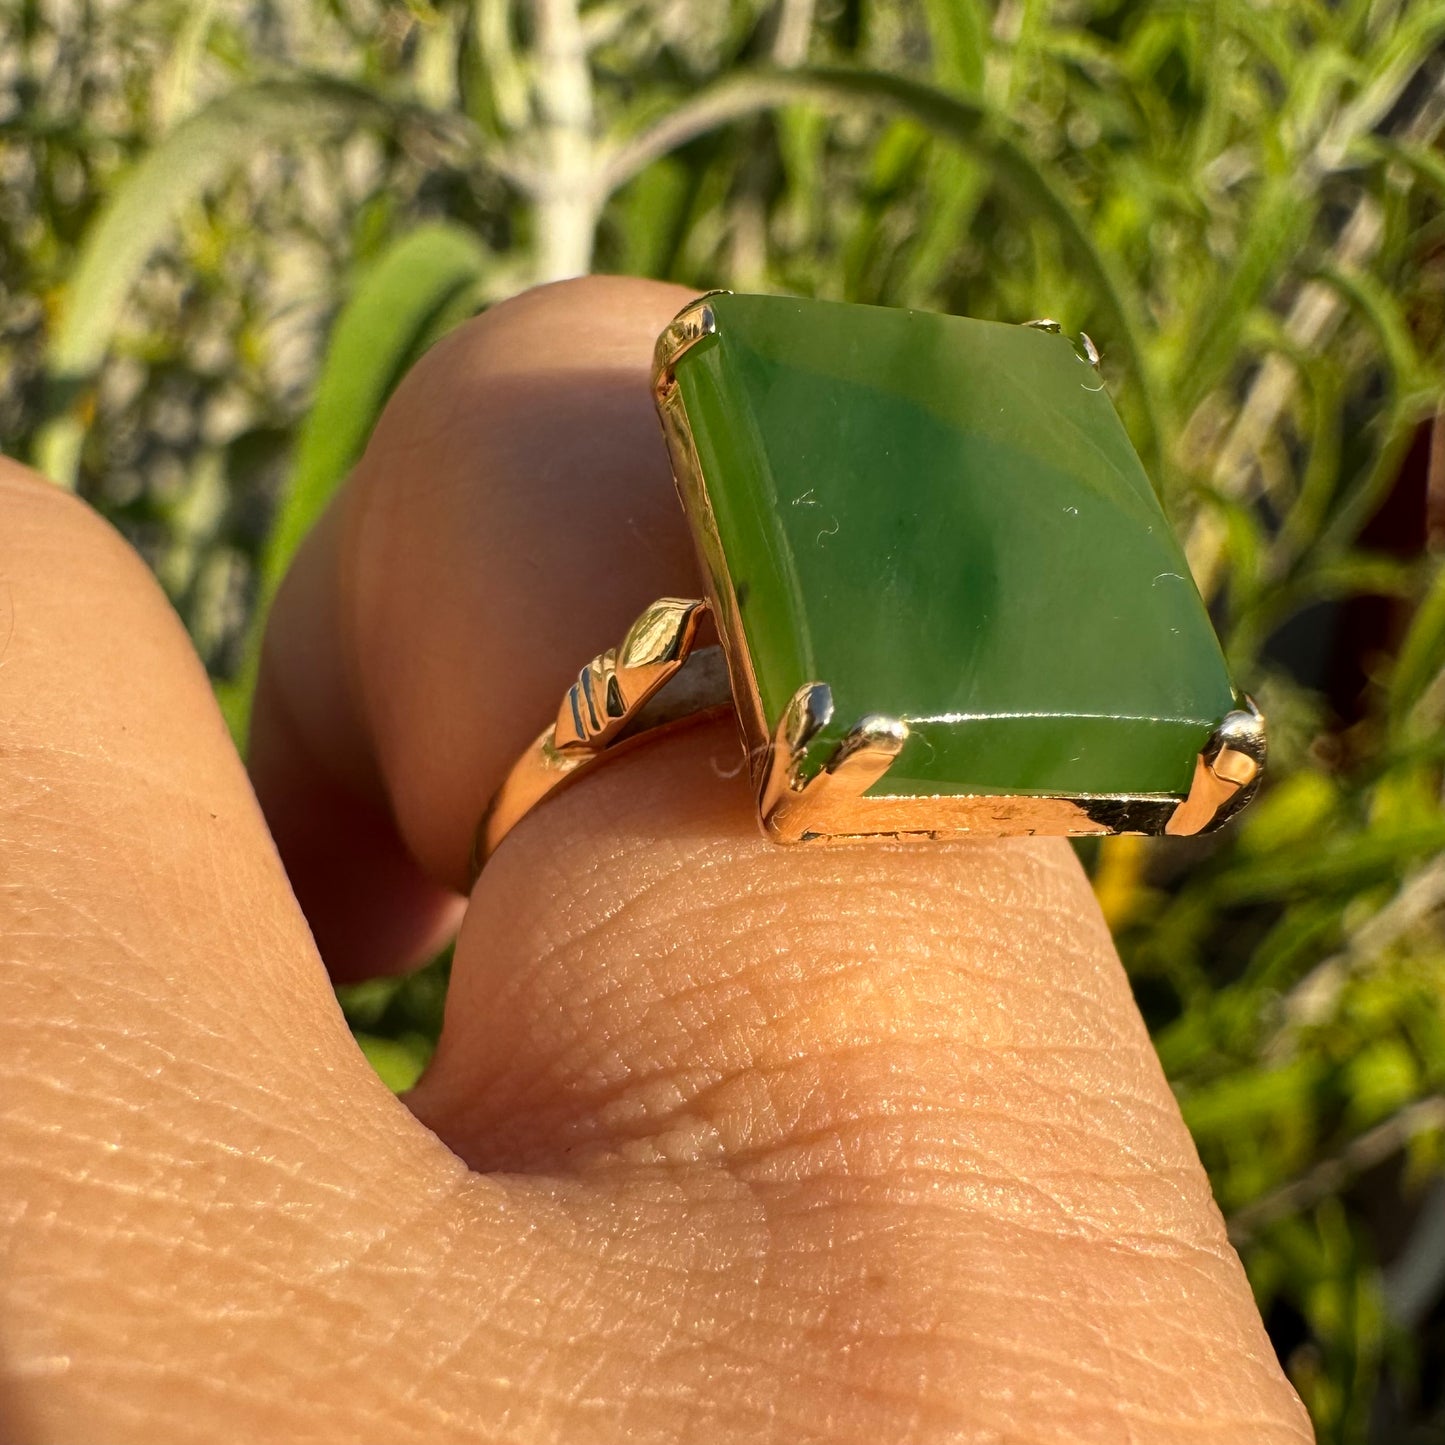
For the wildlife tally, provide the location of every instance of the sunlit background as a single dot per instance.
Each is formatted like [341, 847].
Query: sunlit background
[228, 226]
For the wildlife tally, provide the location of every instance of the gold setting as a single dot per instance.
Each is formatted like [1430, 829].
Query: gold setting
[836, 803]
[1227, 773]
[695, 321]
[612, 688]
[657, 679]
[1086, 349]
[792, 808]
[692, 324]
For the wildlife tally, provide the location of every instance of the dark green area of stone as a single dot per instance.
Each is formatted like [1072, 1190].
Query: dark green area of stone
[944, 520]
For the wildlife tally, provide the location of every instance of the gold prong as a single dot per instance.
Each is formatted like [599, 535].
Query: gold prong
[695, 321]
[864, 755]
[1226, 774]
[611, 688]
[810, 711]
[790, 807]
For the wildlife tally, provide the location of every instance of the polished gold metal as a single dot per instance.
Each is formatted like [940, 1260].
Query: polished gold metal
[836, 805]
[612, 687]
[696, 320]
[1226, 774]
[658, 679]
[791, 806]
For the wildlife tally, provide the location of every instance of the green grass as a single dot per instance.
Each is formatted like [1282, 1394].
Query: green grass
[226, 230]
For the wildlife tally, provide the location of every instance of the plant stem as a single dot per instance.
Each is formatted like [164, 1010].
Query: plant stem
[1330, 1175]
[792, 30]
[567, 196]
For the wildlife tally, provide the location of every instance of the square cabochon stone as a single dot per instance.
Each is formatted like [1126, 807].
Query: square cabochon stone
[944, 520]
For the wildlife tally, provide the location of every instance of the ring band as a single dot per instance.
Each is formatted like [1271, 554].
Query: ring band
[654, 681]
[947, 599]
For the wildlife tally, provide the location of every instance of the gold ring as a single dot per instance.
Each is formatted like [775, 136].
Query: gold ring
[947, 600]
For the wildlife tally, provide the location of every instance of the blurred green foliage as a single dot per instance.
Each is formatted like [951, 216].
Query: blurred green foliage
[228, 226]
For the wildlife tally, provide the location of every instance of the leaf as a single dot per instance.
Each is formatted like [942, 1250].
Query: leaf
[1369, 858]
[389, 321]
[1359, 574]
[408, 297]
[1247, 1098]
[1425, 164]
[1364, 294]
[177, 81]
[1296, 810]
[959, 31]
[1277, 224]
[398, 1062]
[1322, 471]
[143, 210]
[1422, 653]
[953, 186]
[1395, 63]
[1325, 579]
[1380, 1080]
[650, 219]
[1395, 426]
[971, 124]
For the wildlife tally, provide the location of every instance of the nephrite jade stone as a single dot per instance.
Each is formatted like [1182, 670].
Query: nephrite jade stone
[944, 520]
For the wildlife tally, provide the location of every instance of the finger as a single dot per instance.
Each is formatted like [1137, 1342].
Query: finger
[218, 1226]
[400, 680]
[923, 1067]
[370, 906]
[923, 1064]
[165, 1020]
[214, 1216]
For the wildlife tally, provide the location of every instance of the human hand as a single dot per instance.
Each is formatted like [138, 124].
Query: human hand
[722, 1142]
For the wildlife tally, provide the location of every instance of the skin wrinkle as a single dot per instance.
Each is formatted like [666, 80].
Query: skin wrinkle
[195, 1093]
[858, 974]
[869, 1127]
[744, 934]
[718, 1353]
[647, 1024]
[198, 1202]
[627, 1110]
[138, 879]
[945, 1216]
[904, 1398]
[901, 1396]
[681, 917]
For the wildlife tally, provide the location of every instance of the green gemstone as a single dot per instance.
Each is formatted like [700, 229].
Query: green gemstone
[944, 520]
